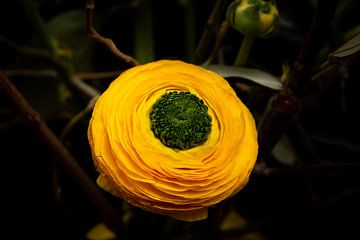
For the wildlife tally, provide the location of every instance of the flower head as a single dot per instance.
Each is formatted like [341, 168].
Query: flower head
[172, 138]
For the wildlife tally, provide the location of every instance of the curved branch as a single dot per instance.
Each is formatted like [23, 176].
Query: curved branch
[288, 101]
[61, 68]
[59, 152]
[106, 41]
[214, 18]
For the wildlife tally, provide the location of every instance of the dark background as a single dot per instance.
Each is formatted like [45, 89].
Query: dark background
[319, 203]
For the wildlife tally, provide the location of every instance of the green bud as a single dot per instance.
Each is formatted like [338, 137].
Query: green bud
[253, 17]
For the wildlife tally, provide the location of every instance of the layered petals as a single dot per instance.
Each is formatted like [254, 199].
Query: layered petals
[135, 166]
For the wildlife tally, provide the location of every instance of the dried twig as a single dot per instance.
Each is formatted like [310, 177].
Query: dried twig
[219, 40]
[48, 73]
[61, 68]
[262, 170]
[106, 41]
[59, 151]
[78, 117]
[289, 99]
[289, 215]
[214, 19]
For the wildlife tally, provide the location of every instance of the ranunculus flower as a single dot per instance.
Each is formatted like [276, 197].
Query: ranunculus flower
[172, 138]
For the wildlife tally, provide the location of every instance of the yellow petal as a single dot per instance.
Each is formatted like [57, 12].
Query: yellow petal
[135, 166]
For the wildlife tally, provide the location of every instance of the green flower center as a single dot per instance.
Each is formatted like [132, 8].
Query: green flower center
[180, 120]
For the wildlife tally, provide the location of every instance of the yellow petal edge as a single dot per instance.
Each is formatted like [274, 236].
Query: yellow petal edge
[135, 166]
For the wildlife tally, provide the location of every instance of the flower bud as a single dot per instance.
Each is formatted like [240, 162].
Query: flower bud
[254, 17]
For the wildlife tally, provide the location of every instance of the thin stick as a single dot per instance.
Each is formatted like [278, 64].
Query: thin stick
[106, 41]
[59, 151]
[77, 118]
[214, 18]
[262, 170]
[288, 100]
[48, 73]
[219, 40]
[293, 215]
[62, 70]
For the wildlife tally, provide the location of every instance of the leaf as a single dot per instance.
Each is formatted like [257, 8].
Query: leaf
[234, 221]
[255, 75]
[351, 47]
[69, 29]
[284, 152]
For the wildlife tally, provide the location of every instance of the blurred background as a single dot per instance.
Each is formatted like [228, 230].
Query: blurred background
[311, 186]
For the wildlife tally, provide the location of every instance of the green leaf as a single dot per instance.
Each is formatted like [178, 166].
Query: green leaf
[69, 28]
[284, 151]
[100, 232]
[255, 75]
[235, 221]
[351, 47]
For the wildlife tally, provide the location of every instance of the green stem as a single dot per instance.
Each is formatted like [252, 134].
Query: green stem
[244, 51]
[143, 33]
[190, 29]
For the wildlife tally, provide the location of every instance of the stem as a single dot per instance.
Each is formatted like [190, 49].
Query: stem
[190, 26]
[214, 18]
[59, 151]
[62, 69]
[49, 73]
[244, 51]
[296, 91]
[293, 215]
[143, 33]
[77, 118]
[105, 41]
[219, 40]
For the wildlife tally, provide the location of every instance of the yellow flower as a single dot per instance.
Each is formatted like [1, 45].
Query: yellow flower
[172, 138]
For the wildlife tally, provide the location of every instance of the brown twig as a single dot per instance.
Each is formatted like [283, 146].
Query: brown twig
[78, 117]
[288, 101]
[290, 215]
[62, 69]
[48, 73]
[106, 41]
[262, 170]
[84, 88]
[59, 151]
[214, 19]
[224, 27]
[97, 75]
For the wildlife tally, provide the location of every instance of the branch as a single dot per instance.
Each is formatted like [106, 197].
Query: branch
[48, 73]
[85, 88]
[78, 117]
[289, 99]
[60, 153]
[61, 68]
[293, 215]
[224, 27]
[106, 41]
[262, 170]
[214, 18]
